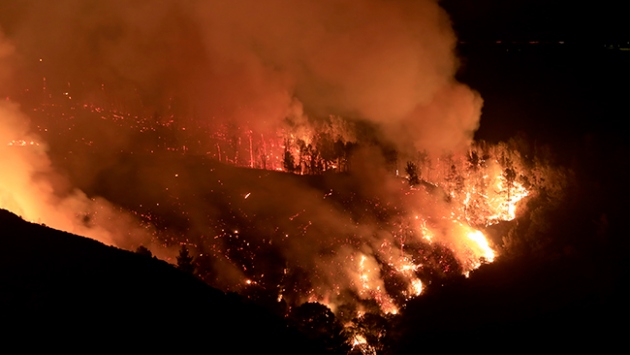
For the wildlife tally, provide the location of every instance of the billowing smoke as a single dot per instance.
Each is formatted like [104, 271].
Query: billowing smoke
[258, 63]
[95, 76]
[31, 188]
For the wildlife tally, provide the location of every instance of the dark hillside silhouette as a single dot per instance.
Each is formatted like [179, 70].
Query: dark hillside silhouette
[55, 284]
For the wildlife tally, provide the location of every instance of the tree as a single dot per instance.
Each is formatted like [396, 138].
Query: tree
[184, 260]
[142, 250]
[289, 162]
[374, 329]
[455, 180]
[326, 148]
[509, 174]
[340, 154]
[412, 172]
[474, 161]
[318, 323]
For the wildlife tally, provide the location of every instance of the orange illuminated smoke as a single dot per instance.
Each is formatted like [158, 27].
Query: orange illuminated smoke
[455, 199]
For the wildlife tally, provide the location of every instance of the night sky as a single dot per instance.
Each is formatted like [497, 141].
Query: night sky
[539, 20]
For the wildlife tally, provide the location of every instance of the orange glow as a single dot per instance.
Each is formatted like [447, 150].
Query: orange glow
[358, 340]
[416, 287]
[482, 245]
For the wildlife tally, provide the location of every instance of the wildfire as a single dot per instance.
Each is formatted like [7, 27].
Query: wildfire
[468, 198]
[371, 284]
[22, 143]
[385, 254]
[505, 206]
[359, 342]
[226, 145]
[482, 244]
[416, 287]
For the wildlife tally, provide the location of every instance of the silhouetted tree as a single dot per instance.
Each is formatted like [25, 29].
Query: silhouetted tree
[374, 328]
[509, 174]
[288, 162]
[412, 174]
[142, 250]
[340, 154]
[315, 164]
[184, 260]
[318, 323]
[303, 154]
[326, 148]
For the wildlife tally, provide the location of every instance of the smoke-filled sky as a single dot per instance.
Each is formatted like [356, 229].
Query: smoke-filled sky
[259, 63]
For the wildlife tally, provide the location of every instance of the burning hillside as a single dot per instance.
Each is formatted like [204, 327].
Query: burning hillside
[357, 232]
[303, 155]
[361, 241]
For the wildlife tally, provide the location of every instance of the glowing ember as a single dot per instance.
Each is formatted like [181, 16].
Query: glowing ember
[22, 143]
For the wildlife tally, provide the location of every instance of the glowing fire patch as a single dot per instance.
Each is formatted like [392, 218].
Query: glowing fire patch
[416, 287]
[482, 245]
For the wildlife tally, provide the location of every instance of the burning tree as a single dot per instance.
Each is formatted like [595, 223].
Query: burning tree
[289, 160]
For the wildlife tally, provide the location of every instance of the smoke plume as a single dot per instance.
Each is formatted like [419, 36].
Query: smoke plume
[94, 76]
[258, 63]
[32, 188]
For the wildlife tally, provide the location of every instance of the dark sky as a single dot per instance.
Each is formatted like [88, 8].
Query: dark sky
[539, 19]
